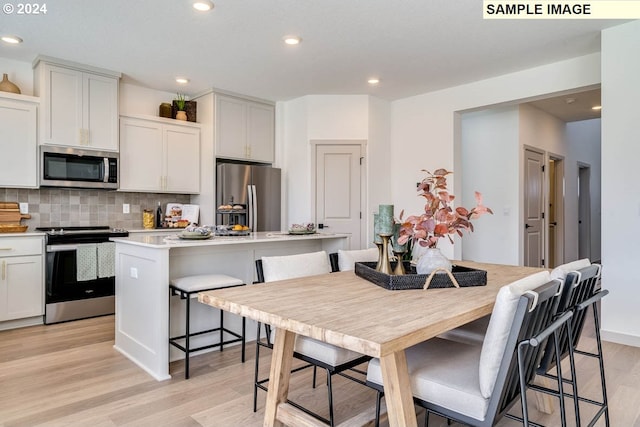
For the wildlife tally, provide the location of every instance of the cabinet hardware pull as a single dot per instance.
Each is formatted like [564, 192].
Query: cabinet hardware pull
[6, 249]
[4, 269]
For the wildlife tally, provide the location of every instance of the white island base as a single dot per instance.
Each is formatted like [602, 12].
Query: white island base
[146, 262]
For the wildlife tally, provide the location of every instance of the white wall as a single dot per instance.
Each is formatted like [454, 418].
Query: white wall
[423, 127]
[620, 177]
[490, 153]
[19, 73]
[141, 100]
[332, 117]
[583, 144]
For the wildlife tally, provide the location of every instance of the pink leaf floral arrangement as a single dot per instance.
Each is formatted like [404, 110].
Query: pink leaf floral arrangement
[439, 219]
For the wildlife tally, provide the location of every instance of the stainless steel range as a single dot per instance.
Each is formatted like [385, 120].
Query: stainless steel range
[80, 272]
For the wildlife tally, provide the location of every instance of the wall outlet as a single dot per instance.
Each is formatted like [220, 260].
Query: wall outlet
[133, 273]
[125, 208]
[24, 208]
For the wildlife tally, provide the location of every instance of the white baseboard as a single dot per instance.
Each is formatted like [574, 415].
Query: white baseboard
[21, 323]
[620, 338]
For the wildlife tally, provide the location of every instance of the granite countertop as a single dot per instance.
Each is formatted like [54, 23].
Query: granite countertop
[164, 240]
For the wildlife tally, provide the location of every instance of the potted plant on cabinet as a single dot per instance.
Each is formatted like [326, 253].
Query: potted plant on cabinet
[180, 103]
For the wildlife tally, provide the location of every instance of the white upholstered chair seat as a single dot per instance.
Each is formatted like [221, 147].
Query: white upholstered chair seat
[321, 351]
[445, 373]
[204, 281]
[470, 333]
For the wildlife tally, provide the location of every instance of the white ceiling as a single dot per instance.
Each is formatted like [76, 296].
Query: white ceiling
[413, 46]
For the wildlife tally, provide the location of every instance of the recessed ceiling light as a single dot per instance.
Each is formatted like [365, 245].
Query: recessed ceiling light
[570, 100]
[292, 40]
[182, 80]
[11, 39]
[203, 5]
[373, 81]
[597, 107]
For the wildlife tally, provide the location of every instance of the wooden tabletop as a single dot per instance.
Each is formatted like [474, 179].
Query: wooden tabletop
[348, 311]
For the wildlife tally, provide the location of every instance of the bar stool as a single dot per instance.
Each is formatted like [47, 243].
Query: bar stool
[188, 287]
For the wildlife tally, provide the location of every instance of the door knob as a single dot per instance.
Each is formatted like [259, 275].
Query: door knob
[528, 226]
[321, 226]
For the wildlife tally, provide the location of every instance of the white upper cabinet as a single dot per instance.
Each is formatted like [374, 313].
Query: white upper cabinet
[159, 155]
[18, 145]
[79, 106]
[244, 129]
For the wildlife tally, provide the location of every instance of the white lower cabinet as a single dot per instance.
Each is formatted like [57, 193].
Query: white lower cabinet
[158, 155]
[21, 277]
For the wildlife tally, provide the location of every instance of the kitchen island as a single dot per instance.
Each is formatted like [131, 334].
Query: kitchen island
[146, 262]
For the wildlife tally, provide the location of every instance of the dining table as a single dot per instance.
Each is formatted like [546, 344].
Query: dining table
[349, 311]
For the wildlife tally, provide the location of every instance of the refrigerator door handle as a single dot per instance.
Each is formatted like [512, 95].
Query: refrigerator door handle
[254, 208]
[250, 206]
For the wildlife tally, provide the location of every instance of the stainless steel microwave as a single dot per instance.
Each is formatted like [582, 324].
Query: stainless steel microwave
[75, 167]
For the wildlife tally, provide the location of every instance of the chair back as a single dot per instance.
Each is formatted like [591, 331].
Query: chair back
[271, 269]
[344, 260]
[535, 311]
[580, 285]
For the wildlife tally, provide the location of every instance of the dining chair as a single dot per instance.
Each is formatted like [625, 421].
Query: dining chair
[345, 260]
[474, 332]
[477, 384]
[581, 279]
[316, 354]
[583, 293]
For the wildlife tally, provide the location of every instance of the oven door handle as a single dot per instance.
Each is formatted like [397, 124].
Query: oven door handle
[61, 248]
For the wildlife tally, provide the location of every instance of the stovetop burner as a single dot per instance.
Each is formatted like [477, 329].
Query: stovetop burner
[95, 229]
[82, 234]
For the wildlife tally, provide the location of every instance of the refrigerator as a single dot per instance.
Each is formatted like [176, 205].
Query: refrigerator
[253, 191]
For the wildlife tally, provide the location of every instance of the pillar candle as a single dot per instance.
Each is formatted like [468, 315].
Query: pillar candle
[376, 229]
[396, 235]
[386, 219]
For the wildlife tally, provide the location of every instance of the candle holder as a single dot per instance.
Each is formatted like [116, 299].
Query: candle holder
[399, 270]
[379, 245]
[385, 265]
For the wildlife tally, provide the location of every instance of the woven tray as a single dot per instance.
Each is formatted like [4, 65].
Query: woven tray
[465, 277]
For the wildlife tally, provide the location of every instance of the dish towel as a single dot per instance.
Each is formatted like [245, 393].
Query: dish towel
[106, 259]
[86, 262]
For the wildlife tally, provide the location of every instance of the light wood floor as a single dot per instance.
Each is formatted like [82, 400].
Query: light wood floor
[70, 375]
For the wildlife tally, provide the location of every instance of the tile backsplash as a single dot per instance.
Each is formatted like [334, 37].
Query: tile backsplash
[61, 207]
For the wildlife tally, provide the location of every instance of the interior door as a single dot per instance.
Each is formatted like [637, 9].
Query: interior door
[533, 209]
[338, 190]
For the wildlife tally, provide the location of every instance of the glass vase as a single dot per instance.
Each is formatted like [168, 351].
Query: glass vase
[432, 259]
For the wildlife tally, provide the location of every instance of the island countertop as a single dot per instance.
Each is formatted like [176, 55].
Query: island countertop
[166, 240]
[147, 262]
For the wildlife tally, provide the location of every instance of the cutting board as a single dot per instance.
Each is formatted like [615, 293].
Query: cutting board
[10, 217]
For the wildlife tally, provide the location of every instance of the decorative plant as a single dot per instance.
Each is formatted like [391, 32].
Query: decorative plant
[439, 219]
[180, 102]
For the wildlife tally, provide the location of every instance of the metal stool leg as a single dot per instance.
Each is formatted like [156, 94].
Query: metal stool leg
[221, 330]
[244, 328]
[186, 347]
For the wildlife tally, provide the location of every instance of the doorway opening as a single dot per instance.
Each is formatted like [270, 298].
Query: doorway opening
[584, 211]
[555, 212]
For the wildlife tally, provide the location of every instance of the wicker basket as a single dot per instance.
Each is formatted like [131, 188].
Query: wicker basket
[464, 276]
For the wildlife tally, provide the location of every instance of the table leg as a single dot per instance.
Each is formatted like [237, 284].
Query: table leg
[397, 390]
[281, 362]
